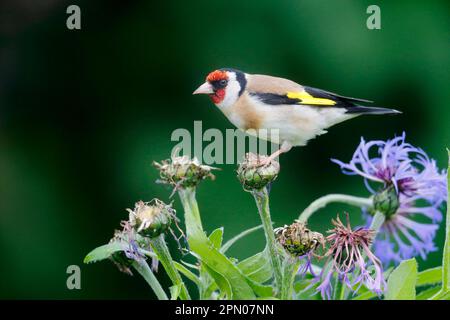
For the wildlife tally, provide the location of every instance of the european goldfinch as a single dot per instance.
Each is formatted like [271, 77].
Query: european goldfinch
[253, 102]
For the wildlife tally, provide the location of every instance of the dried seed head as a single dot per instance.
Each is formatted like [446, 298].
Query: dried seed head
[386, 201]
[346, 244]
[150, 219]
[298, 240]
[254, 175]
[351, 259]
[183, 172]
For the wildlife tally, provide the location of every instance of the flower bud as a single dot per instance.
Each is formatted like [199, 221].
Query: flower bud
[183, 172]
[386, 201]
[254, 175]
[298, 240]
[124, 259]
[150, 219]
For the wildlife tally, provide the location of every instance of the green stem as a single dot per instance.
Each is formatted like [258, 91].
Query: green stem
[340, 291]
[194, 229]
[233, 240]
[444, 293]
[262, 202]
[337, 288]
[145, 271]
[187, 197]
[377, 222]
[325, 200]
[214, 265]
[159, 246]
[290, 268]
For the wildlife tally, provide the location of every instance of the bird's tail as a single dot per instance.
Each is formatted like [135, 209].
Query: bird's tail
[371, 110]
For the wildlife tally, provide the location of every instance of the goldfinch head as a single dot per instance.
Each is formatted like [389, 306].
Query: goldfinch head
[224, 86]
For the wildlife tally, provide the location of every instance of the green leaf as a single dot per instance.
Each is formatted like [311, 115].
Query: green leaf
[429, 276]
[221, 282]
[261, 290]
[257, 267]
[159, 246]
[241, 235]
[105, 251]
[367, 295]
[444, 293]
[216, 237]
[175, 292]
[445, 296]
[446, 257]
[401, 284]
[303, 290]
[145, 271]
[187, 273]
[217, 264]
[428, 293]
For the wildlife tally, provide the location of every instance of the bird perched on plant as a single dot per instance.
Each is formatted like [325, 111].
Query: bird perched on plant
[259, 103]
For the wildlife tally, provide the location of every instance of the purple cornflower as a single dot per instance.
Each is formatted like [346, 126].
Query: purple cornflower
[401, 237]
[350, 260]
[398, 163]
[419, 187]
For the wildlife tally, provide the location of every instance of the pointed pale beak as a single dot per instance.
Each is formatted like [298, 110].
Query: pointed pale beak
[205, 88]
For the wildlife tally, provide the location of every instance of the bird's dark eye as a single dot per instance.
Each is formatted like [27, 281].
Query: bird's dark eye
[219, 84]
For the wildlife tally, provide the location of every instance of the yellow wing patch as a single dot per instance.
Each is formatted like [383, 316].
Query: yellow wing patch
[306, 98]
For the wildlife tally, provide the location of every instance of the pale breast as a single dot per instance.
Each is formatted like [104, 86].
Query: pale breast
[297, 124]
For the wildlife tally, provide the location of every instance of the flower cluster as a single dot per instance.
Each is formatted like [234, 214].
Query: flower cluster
[411, 191]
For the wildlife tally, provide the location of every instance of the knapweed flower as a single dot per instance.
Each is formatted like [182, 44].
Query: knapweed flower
[397, 163]
[402, 237]
[350, 260]
[411, 191]
[254, 175]
[297, 239]
[300, 242]
[183, 172]
[150, 219]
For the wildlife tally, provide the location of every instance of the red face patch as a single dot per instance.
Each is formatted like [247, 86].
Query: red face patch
[218, 96]
[216, 76]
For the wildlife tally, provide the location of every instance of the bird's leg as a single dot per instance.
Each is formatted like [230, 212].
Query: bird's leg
[285, 147]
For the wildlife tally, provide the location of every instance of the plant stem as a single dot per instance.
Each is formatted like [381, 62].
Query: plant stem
[337, 288]
[189, 202]
[330, 198]
[194, 229]
[444, 293]
[290, 268]
[340, 293]
[262, 202]
[214, 265]
[377, 222]
[159, 246]
[233, 240]
[145, 271]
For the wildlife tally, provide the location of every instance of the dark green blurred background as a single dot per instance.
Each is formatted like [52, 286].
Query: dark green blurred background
[84, 113]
